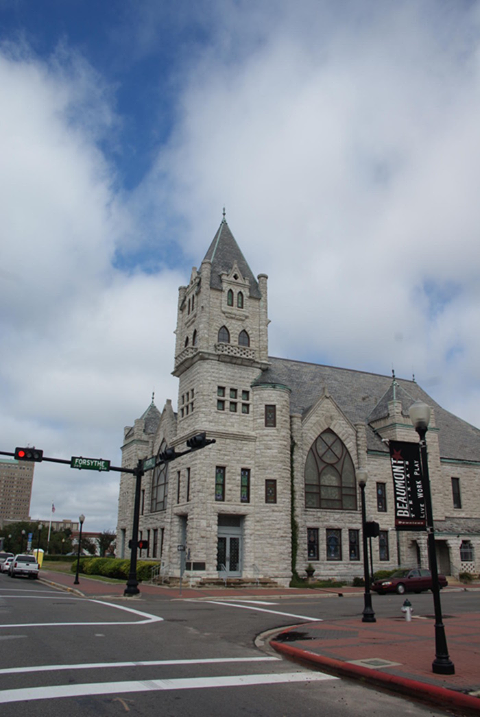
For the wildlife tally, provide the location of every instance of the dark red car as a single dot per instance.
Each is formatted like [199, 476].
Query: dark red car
[411, 581]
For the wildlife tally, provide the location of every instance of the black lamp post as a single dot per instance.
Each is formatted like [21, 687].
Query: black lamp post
[420, 417]
[23, 538]
[368, 614]
[81, 519]
[40, 527]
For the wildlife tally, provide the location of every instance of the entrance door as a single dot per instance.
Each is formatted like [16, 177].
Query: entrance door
[229, 546]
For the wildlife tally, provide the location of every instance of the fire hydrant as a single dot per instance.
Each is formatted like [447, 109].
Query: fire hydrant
[407, 609]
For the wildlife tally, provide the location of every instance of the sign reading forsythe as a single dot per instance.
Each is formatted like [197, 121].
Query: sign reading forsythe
[410, 511]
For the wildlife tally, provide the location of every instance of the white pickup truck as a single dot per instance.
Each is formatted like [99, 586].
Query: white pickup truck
[24, 565]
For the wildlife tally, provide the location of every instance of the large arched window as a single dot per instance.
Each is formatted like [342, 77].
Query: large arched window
[330, 475]
[224, 336]
[243, 339]
[159, 484]
[229, 297]
[240, 300]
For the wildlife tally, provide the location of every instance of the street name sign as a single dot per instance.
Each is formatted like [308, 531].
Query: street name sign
[89, 464]
[149, 463]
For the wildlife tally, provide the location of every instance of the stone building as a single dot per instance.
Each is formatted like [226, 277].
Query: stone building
[16, 480]
[278, 489]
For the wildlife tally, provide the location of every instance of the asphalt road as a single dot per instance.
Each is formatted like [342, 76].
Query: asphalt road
[61, 654]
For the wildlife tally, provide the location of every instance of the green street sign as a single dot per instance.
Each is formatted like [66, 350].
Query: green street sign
[89, 464]
[149, 463]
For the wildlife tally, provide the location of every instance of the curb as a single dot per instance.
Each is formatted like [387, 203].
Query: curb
[438, 696]
[61, 587]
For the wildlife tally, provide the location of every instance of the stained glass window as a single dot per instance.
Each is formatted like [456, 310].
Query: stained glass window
[330, 475]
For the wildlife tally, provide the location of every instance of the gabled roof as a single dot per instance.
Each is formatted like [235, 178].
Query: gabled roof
[359, 393]
[223, 253]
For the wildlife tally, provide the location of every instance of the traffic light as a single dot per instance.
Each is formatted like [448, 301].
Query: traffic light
[199, 441]
[372, 529]
[142, 544]
[167, 455]
[28, 454]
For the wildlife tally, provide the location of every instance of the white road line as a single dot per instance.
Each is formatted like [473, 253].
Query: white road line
[273, 612]
[148, 618]
[192, 683]
[150, 663]
[257, 602]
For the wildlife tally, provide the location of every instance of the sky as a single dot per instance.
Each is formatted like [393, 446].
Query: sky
[343, 140]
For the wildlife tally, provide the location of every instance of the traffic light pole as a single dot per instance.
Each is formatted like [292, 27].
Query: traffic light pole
[132, 582]
[195, 443]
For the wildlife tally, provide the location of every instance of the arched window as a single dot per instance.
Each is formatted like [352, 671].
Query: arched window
[186, 342]
[240, 300]
[243, 339]
[189, 306]
[193, 302]
[330, 475]
[230, 298]
[194, 338]
[159, 484]
[224, 336]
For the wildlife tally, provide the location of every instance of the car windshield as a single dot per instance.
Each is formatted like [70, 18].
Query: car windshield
[400, 574]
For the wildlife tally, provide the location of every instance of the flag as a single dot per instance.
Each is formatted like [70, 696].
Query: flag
[53, 508]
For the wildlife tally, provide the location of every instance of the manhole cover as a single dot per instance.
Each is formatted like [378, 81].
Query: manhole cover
[375, 663]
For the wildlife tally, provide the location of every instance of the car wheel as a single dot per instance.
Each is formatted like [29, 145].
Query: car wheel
[400, 588]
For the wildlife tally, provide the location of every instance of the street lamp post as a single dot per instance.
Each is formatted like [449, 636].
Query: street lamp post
[81, 519]
[23, 538]
[40, 527]
[420, 417]
[368, 613]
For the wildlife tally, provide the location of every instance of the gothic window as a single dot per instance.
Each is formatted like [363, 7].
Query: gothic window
[354, 544]
[194, 338]
[270, 491]
[186, 342]
[312, 543]
[159, 484]
[243, 339]
[240, 300]
[330, 475]
[383, 545]
[224, 336]
[220, 483]
[382, 497]
[193, 302]
[230, 298]
[334, 544]
[270, 416]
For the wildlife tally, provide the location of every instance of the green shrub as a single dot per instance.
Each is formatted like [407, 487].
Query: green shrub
[117, 568]
[466, 577]
[358, 582]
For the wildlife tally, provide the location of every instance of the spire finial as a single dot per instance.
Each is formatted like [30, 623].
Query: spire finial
[224, 214]
[394, 384]
[153, 396]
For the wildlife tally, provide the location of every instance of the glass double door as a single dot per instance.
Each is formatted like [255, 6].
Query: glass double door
[229, 554]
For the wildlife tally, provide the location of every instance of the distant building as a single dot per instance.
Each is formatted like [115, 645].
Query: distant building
[16, 479]
[279, 489]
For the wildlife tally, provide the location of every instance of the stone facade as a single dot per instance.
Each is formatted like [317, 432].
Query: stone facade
[247, 506]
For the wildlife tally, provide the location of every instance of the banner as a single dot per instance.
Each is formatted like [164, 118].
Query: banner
[410, 511]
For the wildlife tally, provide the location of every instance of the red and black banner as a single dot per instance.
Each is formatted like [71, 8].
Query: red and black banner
[410, 511]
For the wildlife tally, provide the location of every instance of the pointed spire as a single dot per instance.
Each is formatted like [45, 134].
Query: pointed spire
[223, 252]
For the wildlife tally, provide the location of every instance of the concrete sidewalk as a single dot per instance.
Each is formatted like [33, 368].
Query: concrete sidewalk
[391, 653]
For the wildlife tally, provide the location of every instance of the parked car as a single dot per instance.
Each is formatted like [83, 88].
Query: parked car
[4, 556]
[5, 566]
[407, 580]
[24, 565]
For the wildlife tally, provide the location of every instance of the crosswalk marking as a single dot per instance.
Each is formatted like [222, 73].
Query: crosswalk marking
[192, 683]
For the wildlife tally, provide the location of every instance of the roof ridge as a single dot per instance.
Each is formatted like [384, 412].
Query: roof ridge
[340, 368]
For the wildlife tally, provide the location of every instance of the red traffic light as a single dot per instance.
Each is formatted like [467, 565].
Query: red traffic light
[28, 454]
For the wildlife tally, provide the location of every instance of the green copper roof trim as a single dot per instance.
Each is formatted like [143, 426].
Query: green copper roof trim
[459, 461]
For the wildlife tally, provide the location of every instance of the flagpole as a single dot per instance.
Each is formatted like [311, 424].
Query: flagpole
[50, 526]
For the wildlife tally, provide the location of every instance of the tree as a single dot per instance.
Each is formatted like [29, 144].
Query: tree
[105, 541]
